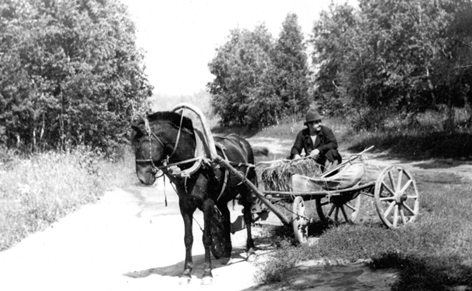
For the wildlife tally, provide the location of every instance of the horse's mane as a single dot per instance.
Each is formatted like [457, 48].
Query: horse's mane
[171, 117]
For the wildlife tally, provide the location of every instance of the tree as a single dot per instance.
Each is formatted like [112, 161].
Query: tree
[70, 73]
[396, 56]
[450, 81]
[258, 80]
[418, 48]
[243, 91]
[291, 67]
[333, 40]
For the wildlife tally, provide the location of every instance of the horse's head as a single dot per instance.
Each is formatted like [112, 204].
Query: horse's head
[154, 142]
[149, 152]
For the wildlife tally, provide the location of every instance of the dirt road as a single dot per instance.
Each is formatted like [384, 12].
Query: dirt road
[128, 240]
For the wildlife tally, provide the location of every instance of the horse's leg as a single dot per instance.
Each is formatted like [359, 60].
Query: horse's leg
[187, 215]
[247, 203]
[223, 207]
[208, 209]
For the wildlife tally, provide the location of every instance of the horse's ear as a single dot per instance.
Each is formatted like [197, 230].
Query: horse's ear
[137, 132]
[136, 129]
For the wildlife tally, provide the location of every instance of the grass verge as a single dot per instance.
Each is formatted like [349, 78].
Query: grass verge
[434, 253]
[37, 191]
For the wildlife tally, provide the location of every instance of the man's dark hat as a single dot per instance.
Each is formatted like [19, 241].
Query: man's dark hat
[312, 115]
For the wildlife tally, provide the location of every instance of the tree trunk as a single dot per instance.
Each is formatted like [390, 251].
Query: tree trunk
[468, 109]
[430, 86]
[448, 124]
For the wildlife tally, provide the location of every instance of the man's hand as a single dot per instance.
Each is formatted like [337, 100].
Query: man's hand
[296, 157]
[315, 153]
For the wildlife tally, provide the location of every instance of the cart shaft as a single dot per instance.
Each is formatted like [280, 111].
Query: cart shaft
[256, 191]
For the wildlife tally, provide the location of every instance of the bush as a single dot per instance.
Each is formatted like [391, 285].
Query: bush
[368, 120]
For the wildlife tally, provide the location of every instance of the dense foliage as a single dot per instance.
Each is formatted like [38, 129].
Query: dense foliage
[394, 56]
[70, 73]
[291, 67]
[259, 80]
[243, 78]
[379, 59]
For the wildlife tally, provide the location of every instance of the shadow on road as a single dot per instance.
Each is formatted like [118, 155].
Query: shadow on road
[175, 270]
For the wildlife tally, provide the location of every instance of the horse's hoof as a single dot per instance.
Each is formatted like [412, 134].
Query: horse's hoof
[185, 280]
[229, 262]
[225, 261]
[251, 257]
[207, 280]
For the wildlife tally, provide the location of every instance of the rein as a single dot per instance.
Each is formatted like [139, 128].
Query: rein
[173, 164]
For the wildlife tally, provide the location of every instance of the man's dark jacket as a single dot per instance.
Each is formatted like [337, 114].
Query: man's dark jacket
[325, 142]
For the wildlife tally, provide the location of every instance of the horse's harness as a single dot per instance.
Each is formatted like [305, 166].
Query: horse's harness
[165, 161]
[173, 168]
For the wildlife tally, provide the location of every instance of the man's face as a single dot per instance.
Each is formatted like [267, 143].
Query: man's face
[314, 126]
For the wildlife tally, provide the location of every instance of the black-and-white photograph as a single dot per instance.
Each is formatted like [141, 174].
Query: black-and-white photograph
[236, 145]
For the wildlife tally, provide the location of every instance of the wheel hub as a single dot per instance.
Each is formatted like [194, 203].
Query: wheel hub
[400, 198]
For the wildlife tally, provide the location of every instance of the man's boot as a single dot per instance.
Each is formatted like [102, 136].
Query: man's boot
[328, 166]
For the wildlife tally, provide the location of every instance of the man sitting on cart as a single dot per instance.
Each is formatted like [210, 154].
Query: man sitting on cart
[318, 142]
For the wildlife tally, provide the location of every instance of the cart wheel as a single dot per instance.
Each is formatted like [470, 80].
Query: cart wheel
[217, 234]
[299, 220]
[339, 209]
[396, 197]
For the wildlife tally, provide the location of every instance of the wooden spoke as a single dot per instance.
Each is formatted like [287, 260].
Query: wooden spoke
[402, 215]
[399, 181]
[342, 209]
[333, 207]
[395, 216]
[336, 212]
[408, 208]
[407, 184]
[390, 178]
[387, 199]
[388, 189]
[350, 206]
[344, 213]
[325, 203]
[389, 209]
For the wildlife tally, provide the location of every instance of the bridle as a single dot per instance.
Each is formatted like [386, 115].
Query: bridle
[165, 161]
[152, 135]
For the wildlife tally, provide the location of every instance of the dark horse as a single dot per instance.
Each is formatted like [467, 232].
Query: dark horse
[167, 140]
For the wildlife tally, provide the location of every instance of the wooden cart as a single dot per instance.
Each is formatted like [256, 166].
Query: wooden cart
[395, 194]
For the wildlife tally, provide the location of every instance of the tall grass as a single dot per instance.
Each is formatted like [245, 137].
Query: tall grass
[427, 135]
[38, 190]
